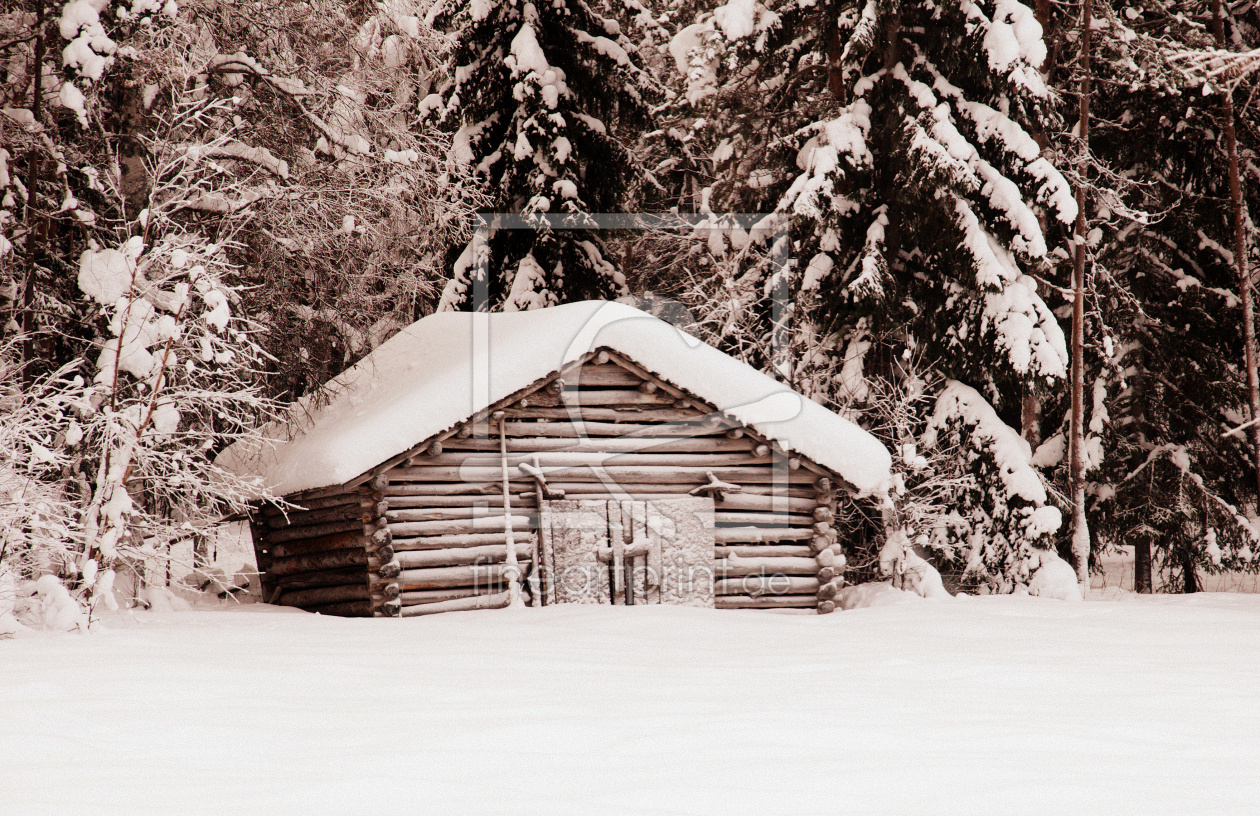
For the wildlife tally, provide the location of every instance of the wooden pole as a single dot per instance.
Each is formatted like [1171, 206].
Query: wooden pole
[512, 572]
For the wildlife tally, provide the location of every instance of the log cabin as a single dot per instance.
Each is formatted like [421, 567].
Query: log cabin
[585, 453]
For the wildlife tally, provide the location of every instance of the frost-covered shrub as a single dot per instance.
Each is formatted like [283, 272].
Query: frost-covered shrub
[253, 164]
[173, 379]
[298, 123]
[1053, 577]
[39, 524]
[1000, 520]
[107, 461]
[343, 201]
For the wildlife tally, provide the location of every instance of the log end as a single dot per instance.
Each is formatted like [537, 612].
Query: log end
[826, 607]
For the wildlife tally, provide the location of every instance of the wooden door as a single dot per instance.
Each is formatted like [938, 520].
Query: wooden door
[627, 552]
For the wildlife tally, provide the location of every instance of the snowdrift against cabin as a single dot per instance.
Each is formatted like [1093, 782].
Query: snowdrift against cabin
[446, 367]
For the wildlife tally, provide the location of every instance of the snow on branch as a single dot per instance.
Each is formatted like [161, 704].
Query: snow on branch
[1000, 535]
[1218, 65]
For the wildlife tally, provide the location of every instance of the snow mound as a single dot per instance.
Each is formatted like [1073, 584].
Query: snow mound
[56, 610]
[161, 599]
[917, 575]
[1055, 579]
[8, 602]
[882, 593]
[444, 368]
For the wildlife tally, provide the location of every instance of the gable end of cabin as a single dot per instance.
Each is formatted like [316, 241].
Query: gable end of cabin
[426, 530]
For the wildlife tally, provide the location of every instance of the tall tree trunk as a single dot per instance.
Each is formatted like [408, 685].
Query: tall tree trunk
[32, 224]
[1240, 252]
[1076, 424]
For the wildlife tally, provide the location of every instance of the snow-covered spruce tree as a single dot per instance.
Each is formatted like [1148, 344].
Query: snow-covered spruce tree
[898, 139]
[999, 533]
[909, 172]
[542, 96]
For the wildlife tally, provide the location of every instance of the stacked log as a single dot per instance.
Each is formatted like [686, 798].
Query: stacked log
[613, 432]
[382, 561]
[828, 553]
[497, 600]
[313, 553]
[450, 546]
[793, 562]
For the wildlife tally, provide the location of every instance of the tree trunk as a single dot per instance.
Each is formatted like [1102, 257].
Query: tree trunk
[32, 226]
[1240, 252]
[1076, 425]
[1142, 565]
[1189, 575]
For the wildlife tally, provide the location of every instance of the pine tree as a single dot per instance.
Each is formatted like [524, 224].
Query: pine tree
[542, 95]
[897, 137]
[898, 140]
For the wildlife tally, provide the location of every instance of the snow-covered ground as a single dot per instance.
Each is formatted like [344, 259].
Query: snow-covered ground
[974, 705]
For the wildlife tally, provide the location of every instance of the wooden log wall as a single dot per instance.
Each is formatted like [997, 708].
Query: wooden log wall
[606, 429]
[329, 551]
[314, 555]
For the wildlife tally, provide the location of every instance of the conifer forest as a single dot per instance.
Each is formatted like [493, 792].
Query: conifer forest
[1012, 241]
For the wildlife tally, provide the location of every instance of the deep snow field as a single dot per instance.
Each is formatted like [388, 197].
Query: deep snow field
[1003, 705]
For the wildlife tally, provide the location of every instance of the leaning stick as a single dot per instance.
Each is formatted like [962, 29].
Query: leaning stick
[512, 572]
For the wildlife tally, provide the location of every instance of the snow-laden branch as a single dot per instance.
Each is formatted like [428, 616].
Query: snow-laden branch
[1217, 65]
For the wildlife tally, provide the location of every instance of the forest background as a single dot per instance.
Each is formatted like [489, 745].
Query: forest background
[1018, 242]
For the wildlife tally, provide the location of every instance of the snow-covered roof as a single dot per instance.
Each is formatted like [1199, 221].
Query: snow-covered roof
[443, 369]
